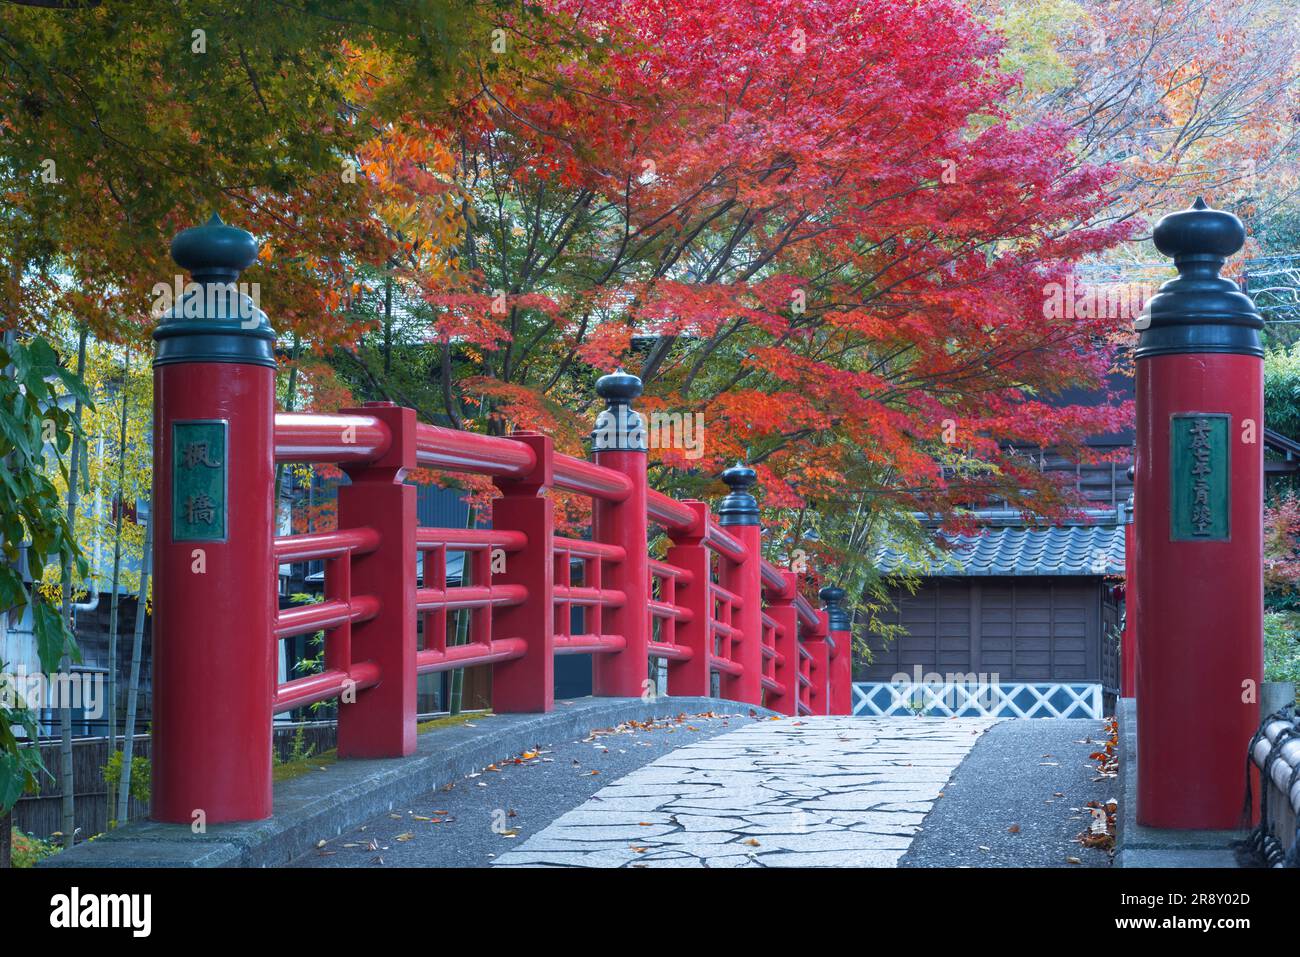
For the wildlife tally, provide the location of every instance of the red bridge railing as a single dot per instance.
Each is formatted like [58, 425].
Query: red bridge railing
[723, 620]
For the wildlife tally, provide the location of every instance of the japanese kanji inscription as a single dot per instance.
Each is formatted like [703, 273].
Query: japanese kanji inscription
[199, 487]
[1198, 466]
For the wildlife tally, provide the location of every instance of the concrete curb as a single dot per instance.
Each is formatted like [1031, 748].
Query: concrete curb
[323, 804]
[1140, 846]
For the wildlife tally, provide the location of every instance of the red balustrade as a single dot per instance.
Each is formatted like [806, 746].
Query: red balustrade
[713, 613]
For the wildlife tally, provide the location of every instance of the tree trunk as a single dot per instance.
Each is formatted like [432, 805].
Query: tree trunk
[291, 388]
[133, 689]
[117, 575]
[6, 822]
[67, 785]
[388, 323]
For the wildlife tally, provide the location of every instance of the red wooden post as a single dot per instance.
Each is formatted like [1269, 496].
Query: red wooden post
[380, 722]
[215, 584]
[738, 513]
[819, 698]
[619, 443]
[693, 676]
[841, 664]
[1199, 530]
[1128, 643]
[781, 608]
[527, 684]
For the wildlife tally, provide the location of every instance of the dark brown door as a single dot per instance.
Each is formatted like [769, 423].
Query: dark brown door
[1017, 629]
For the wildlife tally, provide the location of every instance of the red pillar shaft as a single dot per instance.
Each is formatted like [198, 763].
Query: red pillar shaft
[380, 722]
[841, 673]
[781, 609]
[215, 596]
[819, 699]
[693, 676]
[625, 673]
[1200, 608]
[214, 603]
[527, 684]
[746, 580]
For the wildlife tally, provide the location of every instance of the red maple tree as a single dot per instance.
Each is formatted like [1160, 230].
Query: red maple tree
[811, 223]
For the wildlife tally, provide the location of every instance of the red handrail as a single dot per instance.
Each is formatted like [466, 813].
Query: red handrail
[588, 478]
[724, 544]
[470, 539]
[456, 451]
[337, 438]
[306, 437]
[671, 514]
[313, 546]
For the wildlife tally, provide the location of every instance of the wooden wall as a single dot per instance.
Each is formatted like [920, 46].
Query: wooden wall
[1021, 629]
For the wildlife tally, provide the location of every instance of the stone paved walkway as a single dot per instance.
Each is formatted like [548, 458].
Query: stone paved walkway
[827, 792]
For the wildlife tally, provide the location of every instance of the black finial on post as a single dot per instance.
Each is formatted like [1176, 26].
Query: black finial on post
[832, 597]
[739, 507]
[210, 319]
[1200, 311]
[619, 427]
[214, 252]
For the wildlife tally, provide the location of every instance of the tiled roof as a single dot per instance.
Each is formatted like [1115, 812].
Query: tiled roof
[1073, 550]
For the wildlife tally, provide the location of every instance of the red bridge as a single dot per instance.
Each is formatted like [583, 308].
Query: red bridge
[725, 620]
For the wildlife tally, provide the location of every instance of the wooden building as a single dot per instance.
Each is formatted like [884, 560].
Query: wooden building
[1018, 619]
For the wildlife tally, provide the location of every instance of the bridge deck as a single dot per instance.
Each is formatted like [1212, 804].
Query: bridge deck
[741, 790]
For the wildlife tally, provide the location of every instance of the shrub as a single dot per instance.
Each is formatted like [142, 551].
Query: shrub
[139, 774]
[1281, 649]
[1282, 553]
[27, 850]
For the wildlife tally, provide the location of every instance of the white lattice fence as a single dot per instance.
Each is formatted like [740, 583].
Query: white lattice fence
[960, 700]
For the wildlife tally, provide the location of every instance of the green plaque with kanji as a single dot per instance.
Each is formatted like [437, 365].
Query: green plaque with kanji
[199, 487]
[1198, 474]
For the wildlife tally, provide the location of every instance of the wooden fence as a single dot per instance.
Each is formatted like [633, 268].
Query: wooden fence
[41, 814]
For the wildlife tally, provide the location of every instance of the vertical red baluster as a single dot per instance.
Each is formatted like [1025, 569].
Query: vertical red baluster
[338, 587]
[693, 676]
[527, 684]
[619, 443]
[780, 606]
[841, 663]
[214, 647]
[738, 513]
[380, 723]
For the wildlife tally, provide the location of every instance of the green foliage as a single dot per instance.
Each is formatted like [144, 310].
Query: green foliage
[314, 664]
[151, 113]
[28, 850]
[1033, 29]
[140, 775]
[1282, 390]
[18, 765]
[1281, 647]
[299, 751]
[33, 521]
